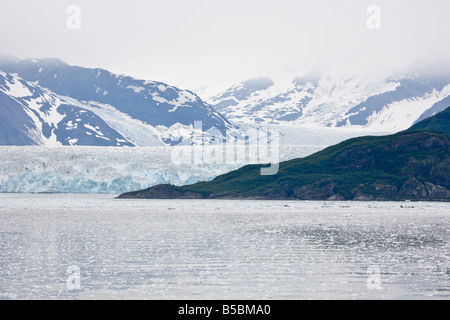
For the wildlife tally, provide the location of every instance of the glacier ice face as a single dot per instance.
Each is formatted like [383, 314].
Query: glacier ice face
[91, 169]
[97, 169]
[117, 170]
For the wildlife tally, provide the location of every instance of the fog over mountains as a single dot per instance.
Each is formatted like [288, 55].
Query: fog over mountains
[337, 100]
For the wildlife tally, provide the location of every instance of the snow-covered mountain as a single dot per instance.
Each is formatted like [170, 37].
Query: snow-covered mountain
[48, 102]
[258, 100]
[31, 115]
[333, 99]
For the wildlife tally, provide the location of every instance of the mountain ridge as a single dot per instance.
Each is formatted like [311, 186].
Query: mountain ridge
[337, 100]
[409, 165]
[32, 115]
[168, 113]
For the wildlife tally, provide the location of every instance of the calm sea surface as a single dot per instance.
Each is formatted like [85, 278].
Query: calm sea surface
[98, 247]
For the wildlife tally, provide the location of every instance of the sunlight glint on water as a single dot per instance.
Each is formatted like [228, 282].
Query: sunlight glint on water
[210, 249]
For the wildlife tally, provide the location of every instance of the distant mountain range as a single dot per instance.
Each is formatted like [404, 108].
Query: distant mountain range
[48, 102]
[410, 165]
[337, 100]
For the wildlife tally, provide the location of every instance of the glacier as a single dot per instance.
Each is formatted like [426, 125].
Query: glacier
[112, 170]
[100, 169]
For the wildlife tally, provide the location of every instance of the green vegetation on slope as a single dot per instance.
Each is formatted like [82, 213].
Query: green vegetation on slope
[437, 123]
[413, 165]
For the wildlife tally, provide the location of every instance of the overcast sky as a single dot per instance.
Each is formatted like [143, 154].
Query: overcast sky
[196, 44]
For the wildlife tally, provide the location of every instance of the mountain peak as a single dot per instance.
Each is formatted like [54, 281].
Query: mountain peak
[337, 98]
[142, 111]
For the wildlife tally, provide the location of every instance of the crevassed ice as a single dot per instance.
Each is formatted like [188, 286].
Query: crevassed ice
[117, 170]
[106, 169]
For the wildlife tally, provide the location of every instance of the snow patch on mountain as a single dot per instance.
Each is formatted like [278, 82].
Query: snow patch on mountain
[403, 114]
[137, 132]
[15, 88]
